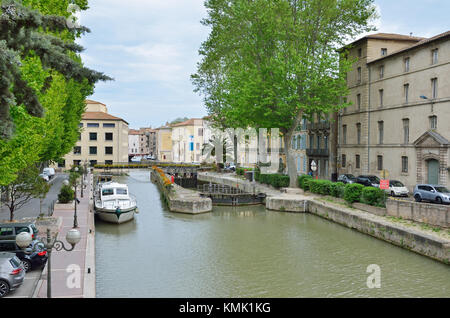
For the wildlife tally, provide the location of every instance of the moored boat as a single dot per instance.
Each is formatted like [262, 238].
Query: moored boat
[113, 203]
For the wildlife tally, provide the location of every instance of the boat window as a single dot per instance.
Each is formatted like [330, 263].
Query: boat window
[121, 191]
[107, 191]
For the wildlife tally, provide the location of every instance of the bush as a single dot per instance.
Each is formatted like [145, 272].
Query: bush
[275, 180]
[352, 192]
[337, 189]
[320, 186]
[66, 194]
[241, 171]
[373, 196]
[302, 179]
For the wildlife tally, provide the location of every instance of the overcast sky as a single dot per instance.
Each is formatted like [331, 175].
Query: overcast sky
[150, 48]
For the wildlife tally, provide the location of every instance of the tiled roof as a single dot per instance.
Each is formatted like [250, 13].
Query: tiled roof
[424, 41]
[133, 132]
[386, 36]
[189, 122]
[100, 116]
[90, 101]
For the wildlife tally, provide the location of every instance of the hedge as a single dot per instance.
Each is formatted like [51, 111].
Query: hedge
[301, 181]
[275, 180]
[373, 196]
[337, 189]
[241, 171]
[352, 192]
[320, 186]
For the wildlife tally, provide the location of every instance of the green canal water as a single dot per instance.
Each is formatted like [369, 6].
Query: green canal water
[250, 252]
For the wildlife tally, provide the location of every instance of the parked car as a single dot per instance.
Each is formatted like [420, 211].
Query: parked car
[35, 255]
[432, 193]
[8, 231]
[45, 177]
[12, 273]
[346, 178]
[396, 188]
[50, 172]
[136, 159]
[230, 167]
[368, 181]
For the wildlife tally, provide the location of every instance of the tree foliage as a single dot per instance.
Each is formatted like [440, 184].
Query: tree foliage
[43, 83]
[268, 64]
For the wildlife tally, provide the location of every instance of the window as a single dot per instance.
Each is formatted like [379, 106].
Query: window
[383, 51]
[406, 92]
[359, 75]
[325, 142]
[433, 122]
[200, 132]
[381, 92]
[434, 88]
[77, 150]
[62, 164]
[407, 64]
[121, 191]
[344, 160]
[380, 132]
[358, 101]
[360, 52]
[93, 125]
[434, 56]
[358, 161]
[92, 150]
[93, 162]
[406, 131]
[108, 150]
[92, 136]
[108, 162]
[311, 141]
[77, 162]
[80, 125]
[108, 125]
[108, 136]
[318, 141]
[358, 133]
[380, 162]
[405, 164]
[79, 137]
[344, 134]
[381, 71]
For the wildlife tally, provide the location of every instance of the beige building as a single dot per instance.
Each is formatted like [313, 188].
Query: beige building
[133, 142]
[187, 141]
[164, 143]
[142, 142]
[399, 118]
[103, 138]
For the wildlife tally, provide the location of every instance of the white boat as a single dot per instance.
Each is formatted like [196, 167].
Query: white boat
[113, 203]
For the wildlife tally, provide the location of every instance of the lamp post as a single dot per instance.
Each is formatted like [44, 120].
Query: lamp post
[73, 236]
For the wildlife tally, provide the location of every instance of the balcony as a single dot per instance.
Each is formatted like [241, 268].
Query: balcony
[318, 152]
[319, 126]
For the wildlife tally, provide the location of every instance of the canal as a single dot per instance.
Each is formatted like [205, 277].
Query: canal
[249, 252]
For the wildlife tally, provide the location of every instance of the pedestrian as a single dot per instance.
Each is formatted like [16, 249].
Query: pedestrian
[172, 178]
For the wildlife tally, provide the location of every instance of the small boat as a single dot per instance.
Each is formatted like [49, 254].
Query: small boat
[113, 203]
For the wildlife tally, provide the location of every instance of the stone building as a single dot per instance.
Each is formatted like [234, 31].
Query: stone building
[103, 138]
[187, 141]
[164, 143]
[142, 142]
[133, 142]
[398, 123]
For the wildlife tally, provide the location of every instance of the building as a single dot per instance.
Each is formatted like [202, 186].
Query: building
[103, 138]
[187, 141]
[164, 143]
[397, 125]
[142, 142]
[299, 148]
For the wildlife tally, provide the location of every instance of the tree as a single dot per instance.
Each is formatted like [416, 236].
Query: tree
[27, 186]
[218, 147]
[268, 64]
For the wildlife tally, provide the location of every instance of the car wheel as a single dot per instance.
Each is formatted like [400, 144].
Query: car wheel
[417, 198]
[4, 288]
[26, 265]
[438, 200]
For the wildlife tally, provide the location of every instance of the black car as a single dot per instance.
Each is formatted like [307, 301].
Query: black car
[346, 178]
[35, 255]
[368, 181]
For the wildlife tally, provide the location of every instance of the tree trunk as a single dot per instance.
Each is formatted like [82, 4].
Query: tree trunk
[235, 146]
[290, 163]
[11, 213]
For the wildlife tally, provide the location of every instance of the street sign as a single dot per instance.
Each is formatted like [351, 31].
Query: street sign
[313, 166]
[385, 174]
[384, 184]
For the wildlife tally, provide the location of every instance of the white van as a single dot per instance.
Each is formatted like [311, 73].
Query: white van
[50, 172]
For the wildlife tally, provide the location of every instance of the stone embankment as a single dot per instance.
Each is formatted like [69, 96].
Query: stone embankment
[181, 200]
[376, 222]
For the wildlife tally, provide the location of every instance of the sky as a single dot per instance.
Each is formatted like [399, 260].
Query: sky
[150, 48]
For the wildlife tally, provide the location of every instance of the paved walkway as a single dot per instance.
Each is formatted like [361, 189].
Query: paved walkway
[69, 270]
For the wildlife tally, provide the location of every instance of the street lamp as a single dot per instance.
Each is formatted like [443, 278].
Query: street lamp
[75, 219]
[73, 236]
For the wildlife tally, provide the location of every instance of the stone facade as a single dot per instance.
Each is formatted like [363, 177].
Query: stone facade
[397, 123]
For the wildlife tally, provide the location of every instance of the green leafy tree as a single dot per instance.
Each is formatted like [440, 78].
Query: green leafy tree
[27, 186]
[268, 64]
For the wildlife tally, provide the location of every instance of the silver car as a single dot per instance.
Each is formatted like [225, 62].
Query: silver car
[12, 273]
[432, 193]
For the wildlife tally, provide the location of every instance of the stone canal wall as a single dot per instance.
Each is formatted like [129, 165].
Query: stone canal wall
[433, 214]
[181, 200]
